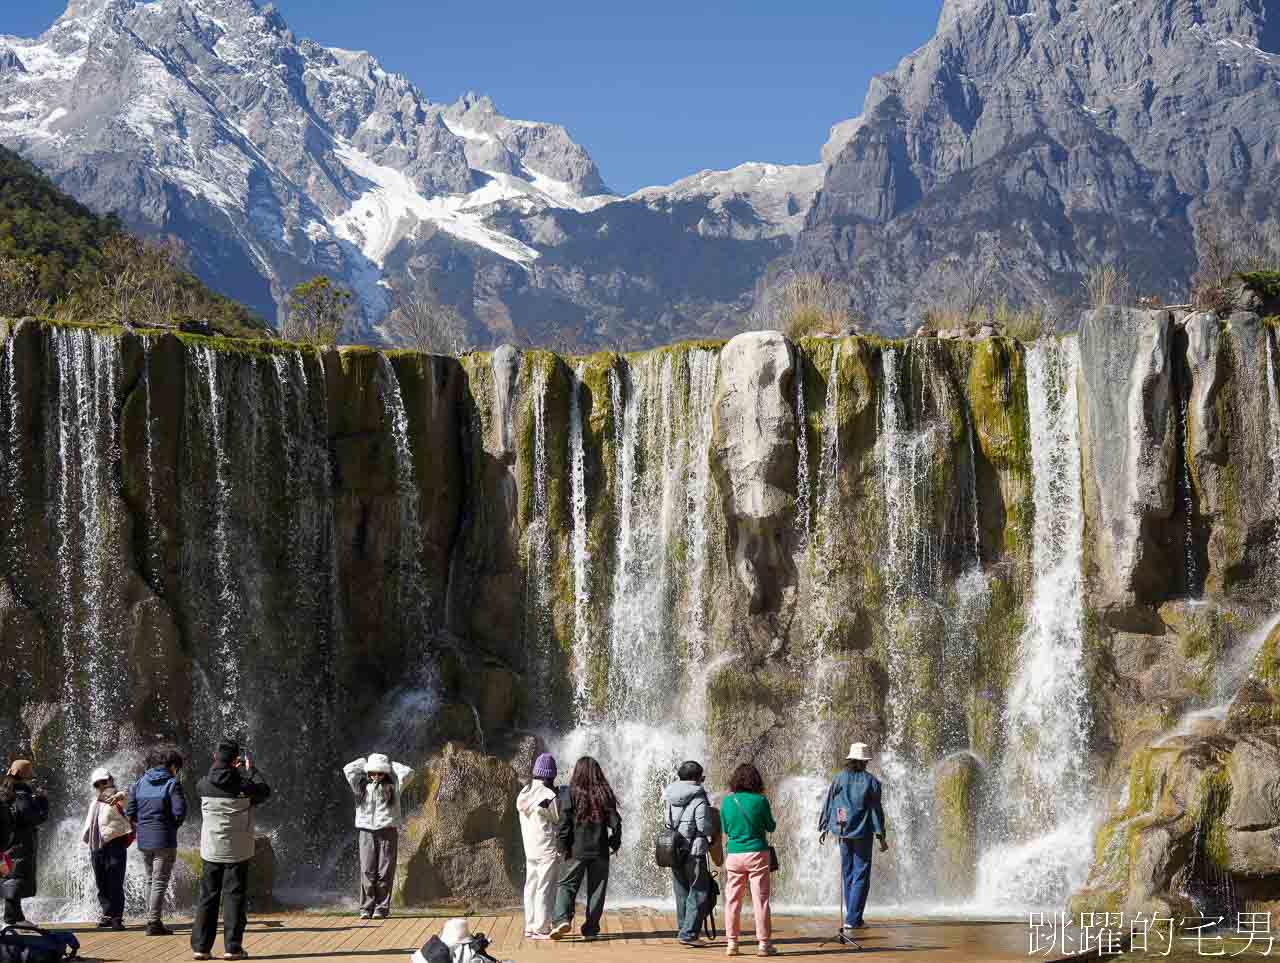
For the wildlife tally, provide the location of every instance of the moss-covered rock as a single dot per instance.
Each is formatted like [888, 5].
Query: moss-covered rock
[957, 789]
[462, 837]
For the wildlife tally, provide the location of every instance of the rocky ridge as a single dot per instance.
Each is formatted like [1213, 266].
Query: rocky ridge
[1045, 138]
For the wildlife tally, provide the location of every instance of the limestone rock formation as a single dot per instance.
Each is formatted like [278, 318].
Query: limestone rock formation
[957, 782]
[754, 462]
[1129, 418]
[758, 551]
[463, 838]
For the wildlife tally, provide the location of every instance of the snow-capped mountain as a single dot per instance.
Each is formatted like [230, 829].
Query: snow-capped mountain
[275, 158]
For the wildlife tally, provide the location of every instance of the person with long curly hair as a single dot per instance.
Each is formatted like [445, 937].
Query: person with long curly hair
[590, 832]
[746, 820]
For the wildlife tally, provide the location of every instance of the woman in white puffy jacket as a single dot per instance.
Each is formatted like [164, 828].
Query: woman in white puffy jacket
[376, 783]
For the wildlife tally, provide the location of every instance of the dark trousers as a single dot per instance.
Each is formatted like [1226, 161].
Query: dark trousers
[596, 873]
[855, 868]
[13, 911]
[691, 880]
[219, 881]
[109, 864]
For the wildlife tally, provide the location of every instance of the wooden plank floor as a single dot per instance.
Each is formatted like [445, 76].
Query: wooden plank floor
[628, 935]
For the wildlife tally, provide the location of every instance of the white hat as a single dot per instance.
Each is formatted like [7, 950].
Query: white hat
[377, 762]
[860, 752]
[455, 933]
[100, 774]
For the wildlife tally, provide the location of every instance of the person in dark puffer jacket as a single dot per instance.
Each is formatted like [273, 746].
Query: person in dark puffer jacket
[26, 808]
[158, 808]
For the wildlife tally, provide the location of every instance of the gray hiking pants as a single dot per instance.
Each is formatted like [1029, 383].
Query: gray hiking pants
[377, 868]
[159, 869]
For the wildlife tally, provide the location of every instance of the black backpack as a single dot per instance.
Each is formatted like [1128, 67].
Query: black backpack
[24, 943]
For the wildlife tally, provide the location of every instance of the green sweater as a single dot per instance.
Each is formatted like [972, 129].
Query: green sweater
[745, 818]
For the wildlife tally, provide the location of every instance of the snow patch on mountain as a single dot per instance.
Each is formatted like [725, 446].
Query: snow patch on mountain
[392, 208]
[777, 194]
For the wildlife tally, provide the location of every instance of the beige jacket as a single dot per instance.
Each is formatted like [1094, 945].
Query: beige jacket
[112, 823]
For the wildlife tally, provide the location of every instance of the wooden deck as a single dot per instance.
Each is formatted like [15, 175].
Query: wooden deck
[628, 935]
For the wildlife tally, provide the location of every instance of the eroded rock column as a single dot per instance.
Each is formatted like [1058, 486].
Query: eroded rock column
[753, 457]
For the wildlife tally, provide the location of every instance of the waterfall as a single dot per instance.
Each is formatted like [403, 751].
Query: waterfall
[662, 406]
[641, 661]
[14, 465]
[212, 414]
[1045, 770]
[703, 371]
[803, 498]
[1273, 444]
[539, 636]
[87, 527]
[410, 548]
[581, 559]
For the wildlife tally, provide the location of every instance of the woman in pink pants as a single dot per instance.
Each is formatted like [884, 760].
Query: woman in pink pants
[747, 820]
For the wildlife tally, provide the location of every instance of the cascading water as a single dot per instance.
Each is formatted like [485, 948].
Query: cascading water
[662, 408]
[410, 549]
[811, 870]
[224, 713]
[581, 558]
[1045, 766]
[931, 626]
[538, 630]
[88, 528]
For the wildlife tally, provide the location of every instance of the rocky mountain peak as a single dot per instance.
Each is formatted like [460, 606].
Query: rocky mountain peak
[1054, 133]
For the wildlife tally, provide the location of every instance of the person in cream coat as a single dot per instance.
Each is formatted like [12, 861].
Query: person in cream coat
[376, 782]
[539, 817]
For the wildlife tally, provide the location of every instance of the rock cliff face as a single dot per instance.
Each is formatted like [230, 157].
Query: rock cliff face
[1028, 586]
[1041, 138]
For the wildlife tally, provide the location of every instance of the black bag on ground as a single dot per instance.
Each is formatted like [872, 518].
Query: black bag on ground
[709, 908]
[24, 943]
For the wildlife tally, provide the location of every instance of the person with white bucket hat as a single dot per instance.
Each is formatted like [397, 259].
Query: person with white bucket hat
[853, 814]
[376, 782]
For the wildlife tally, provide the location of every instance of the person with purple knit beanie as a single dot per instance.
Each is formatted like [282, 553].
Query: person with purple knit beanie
[539, 816]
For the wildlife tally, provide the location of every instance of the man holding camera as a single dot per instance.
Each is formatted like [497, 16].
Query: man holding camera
[228, 794]
[854, 814]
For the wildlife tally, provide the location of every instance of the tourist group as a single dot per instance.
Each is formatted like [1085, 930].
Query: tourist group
[570, 832]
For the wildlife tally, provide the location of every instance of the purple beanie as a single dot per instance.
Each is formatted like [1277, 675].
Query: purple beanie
[544, 767]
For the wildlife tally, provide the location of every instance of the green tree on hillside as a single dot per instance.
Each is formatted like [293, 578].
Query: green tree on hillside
[319, 312]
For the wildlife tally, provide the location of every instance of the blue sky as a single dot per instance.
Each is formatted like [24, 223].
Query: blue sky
[654, 90]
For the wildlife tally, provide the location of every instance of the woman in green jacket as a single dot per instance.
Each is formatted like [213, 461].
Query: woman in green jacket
[746, 820]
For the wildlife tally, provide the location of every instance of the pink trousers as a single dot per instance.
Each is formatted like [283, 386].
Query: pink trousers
[743, 870]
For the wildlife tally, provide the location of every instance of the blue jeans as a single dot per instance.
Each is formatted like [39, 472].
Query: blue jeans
[691, 881]
[855, 868]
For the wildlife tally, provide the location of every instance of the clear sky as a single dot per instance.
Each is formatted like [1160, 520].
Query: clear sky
[654, 90]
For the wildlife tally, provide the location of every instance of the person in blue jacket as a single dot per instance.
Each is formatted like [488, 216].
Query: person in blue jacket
[853, 814]
[158, 808]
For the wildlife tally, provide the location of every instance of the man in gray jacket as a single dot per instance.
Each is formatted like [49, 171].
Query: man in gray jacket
[228, 794]
[689, 814]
